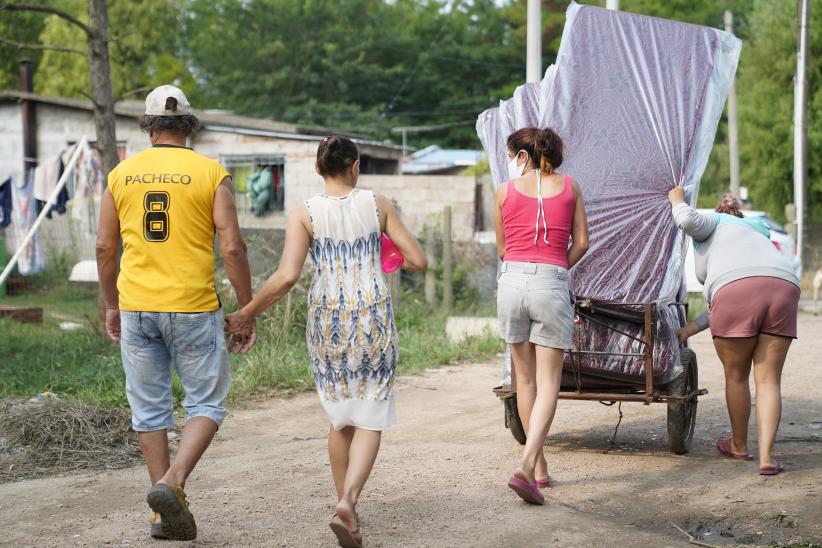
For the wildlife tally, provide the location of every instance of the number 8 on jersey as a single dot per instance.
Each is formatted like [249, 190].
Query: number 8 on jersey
[155, 219]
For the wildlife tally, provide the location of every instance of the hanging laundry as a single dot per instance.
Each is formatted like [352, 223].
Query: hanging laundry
[88, 190]
[5, 202]
[24, 213]
[46, 177]
[71, 178]
[259, 191]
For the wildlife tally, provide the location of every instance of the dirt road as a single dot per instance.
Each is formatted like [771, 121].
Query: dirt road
[440, 478]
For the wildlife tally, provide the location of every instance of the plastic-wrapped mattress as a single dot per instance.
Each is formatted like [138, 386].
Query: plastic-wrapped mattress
[636, 101]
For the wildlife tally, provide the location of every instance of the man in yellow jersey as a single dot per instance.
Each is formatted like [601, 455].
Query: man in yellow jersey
[166, 203]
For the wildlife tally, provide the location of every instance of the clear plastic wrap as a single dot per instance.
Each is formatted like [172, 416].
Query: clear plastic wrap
[636, 101]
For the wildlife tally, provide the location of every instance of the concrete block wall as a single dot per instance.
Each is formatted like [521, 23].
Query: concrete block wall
[421, 199]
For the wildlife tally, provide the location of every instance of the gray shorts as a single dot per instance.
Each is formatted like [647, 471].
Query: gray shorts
[534, 304]
[151, 342]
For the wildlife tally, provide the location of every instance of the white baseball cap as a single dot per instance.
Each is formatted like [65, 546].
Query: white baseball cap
[158, 100]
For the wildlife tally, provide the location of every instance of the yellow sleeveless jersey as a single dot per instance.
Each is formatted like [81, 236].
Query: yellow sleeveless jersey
[165, 200]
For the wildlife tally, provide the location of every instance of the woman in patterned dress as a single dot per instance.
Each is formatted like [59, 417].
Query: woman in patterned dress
[351, 336]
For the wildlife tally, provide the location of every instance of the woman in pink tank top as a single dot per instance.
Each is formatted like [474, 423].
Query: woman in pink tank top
[541, 233]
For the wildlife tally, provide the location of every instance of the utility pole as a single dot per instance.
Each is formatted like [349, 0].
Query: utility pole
[533, 63]
[800, 129]
[733, 136]
[612, 4]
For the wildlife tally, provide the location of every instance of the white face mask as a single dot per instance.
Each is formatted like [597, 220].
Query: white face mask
[514, 170]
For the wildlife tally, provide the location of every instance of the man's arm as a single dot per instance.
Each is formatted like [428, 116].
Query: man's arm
[295, 250]
[235, 260]
[232, 245]
[108, 236]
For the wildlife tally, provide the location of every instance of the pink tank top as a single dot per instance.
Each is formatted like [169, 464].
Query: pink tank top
[526, 239]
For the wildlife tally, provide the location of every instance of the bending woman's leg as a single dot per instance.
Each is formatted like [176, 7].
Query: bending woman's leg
[549, 376]
[736, 355]
[524, 360]
[339, 445]
[768, 358]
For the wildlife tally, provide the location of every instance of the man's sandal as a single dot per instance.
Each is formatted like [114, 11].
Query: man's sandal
[176, 521]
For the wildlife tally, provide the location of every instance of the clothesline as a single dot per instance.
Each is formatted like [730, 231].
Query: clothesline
[52, 199]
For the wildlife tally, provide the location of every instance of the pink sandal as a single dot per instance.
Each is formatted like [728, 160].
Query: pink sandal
[529, 492]
[723, 446]
[772, 470]
[544, 483]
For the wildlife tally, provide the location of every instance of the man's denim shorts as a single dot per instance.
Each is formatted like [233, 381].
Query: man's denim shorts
[151, 342]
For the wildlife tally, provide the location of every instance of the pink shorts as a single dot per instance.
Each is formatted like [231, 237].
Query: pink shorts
[750, 306]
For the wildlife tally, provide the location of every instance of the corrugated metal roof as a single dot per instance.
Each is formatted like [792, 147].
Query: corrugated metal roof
[135, 109]
[435, 158]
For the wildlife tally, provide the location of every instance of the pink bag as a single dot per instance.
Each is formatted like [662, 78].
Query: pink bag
[391, 257]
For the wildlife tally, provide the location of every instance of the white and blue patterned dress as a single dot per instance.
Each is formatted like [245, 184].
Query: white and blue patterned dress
[352, 339]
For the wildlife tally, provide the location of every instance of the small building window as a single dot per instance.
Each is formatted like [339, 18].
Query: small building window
[259, 182]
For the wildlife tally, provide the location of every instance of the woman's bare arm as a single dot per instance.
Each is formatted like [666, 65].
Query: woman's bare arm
[499, 198]
[295, 250]
[579, 230]
[408, 245]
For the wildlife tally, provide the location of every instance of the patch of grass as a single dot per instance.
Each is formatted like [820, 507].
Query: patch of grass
[280, 360]
[73, 364]
[63, 298]
[82, 365]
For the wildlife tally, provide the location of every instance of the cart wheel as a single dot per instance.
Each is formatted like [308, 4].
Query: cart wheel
[512, 421]
[682, 416]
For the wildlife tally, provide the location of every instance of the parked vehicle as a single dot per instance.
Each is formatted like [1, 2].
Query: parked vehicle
[779, 237]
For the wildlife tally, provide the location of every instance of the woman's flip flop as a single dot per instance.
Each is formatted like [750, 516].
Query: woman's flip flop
[722, 445]
[772, 470]
[345, 536]
[529, 492]
[544, 483]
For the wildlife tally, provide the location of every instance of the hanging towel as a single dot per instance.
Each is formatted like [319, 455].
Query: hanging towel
[5, 202]
[259, 191]
[24, 213]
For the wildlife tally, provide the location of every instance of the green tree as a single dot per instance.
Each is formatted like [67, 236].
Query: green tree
[766, 99]
[15, 31]
[364, 65]
[144, 45]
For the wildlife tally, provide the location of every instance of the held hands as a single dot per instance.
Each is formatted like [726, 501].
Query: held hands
[113, 324]
[243, 331]
[676, 195]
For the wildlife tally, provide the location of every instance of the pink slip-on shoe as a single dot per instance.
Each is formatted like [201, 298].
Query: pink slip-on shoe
[529, 492]
[544, 483]
[723, 446]
[772, 470]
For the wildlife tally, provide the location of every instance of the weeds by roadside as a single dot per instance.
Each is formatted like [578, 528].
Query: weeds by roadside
[81, 365]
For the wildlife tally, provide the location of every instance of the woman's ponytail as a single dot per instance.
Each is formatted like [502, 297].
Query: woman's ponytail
[543, 146]
[548, 147]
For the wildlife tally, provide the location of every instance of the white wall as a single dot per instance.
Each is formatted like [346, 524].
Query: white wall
[301, 181]
[421, 199]
[11, 141]
[56, 127]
